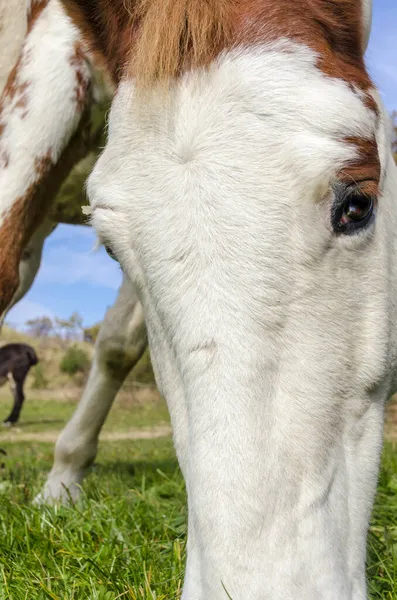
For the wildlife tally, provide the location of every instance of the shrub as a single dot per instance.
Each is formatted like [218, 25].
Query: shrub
[40, 382]
[75, 360]
[91, 333]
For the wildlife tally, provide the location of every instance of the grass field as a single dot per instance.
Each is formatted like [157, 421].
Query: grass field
[126, 538]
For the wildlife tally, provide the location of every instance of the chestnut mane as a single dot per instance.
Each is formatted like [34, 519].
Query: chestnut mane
[176, 34]
[156, 40]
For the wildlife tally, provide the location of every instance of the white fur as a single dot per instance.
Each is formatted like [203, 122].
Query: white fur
[51, 114]
[273, 340]
[13, 27]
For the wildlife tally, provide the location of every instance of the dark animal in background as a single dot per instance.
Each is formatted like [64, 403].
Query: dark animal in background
[15, 362]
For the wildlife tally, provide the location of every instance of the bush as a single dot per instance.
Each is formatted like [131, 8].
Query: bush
[91, 333]
[75, 360]
[40, 382]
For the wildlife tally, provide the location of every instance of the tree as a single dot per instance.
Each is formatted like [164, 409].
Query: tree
[91, 333]
[40, 327]
[70, 329]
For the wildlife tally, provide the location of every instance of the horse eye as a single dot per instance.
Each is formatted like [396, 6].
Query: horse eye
[353, 212]
[111, 253]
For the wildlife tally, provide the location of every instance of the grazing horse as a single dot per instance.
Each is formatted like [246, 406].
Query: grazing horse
[15, 363]
[248, 190]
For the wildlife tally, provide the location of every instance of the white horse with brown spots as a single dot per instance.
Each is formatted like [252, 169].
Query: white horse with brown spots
[248, 190]
[122, 337]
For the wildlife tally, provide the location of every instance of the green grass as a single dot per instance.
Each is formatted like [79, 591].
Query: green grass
[126, 537]
[382, 541]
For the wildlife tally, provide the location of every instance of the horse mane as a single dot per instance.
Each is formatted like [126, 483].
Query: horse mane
[173, 35]
[155, 41]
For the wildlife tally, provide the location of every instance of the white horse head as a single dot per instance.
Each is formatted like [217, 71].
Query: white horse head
[255, 208]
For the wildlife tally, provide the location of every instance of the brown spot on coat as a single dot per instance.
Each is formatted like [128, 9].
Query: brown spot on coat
[4, 159]
[15, 89]
[28, 211]
[106, 29]
[78, 62]
[36, 8]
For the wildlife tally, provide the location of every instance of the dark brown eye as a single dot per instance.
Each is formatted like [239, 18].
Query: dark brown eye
[353, 210]
[356, 208]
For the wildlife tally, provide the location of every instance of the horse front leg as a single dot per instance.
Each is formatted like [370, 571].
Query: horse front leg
[120, 344]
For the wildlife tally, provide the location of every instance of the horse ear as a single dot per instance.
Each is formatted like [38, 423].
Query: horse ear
[367, 21]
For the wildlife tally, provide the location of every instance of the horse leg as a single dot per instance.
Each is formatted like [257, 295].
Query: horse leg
[121, 342]
[30, 263]
[16, 380]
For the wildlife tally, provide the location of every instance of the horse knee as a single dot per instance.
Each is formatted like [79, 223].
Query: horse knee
[116, 356]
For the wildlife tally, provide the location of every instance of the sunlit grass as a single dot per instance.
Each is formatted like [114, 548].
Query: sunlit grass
[126, 538]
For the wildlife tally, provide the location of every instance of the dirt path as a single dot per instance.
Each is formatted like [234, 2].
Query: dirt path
[17, 435]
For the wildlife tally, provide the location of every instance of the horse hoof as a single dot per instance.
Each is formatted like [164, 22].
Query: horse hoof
[7, 424]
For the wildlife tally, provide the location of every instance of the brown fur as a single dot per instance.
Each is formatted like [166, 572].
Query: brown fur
[14, 87]
[159, 39]
[36, 8]
[4, 159]
[78, 61]
[156, 40]
[173, 36]
[106, 28]
[28, 211]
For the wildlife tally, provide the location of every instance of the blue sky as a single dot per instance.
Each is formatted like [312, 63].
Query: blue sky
[75, 277]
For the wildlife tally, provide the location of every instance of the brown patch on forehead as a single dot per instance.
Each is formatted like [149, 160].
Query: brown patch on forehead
[159, 39]
[332, 28]
[365, 170]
